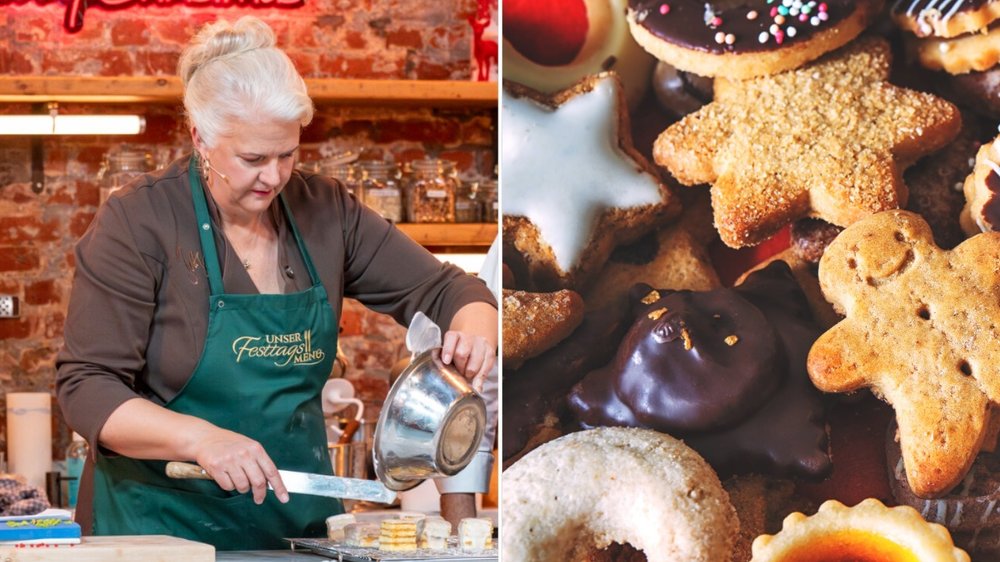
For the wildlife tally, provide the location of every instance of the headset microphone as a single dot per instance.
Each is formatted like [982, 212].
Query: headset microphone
[209, 166]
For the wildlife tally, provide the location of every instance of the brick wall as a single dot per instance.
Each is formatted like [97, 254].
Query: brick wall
[412, 39]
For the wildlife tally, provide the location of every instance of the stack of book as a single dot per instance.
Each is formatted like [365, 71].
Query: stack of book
[52, 526]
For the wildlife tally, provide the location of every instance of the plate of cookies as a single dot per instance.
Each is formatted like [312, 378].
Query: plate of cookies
[751, 304]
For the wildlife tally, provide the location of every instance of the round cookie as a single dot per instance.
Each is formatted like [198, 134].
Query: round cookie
[746, 38]
[588, 490]
[550, 46]
[944, 18]
[867, 531]
[971, 52]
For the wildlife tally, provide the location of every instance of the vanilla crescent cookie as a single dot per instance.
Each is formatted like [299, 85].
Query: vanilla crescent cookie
[740, 39]
[867, 531]
[944, 18]
[828, 140]
[584, 491]
[574, 186]
[608, 45]
[920, 330]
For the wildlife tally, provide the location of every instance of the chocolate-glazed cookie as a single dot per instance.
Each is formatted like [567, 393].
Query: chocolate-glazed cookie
[746, 38]
[724, 370]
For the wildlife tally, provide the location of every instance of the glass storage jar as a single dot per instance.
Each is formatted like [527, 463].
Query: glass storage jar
[120, 166]
[467, 202]
[430, 196]
[380, 188]
[491, 204]
[341, 166]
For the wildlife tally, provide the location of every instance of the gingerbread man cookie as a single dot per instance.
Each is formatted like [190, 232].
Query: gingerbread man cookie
[920, 331]
[829, 139]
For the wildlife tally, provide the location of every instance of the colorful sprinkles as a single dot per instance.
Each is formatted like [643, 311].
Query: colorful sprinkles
[786, 19]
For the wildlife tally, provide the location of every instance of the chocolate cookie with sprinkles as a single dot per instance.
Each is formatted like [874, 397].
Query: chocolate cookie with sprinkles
[746, 38]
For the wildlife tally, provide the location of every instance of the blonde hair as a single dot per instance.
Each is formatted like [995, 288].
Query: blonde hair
[233, 71]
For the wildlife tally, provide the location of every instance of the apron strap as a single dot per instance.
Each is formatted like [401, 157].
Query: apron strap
[313, 275]
[208, 239]
[208, 250]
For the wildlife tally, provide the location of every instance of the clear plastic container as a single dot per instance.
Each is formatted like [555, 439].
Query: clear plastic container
[468, 206]
[430, 195]
[380, 188]
[120, 166]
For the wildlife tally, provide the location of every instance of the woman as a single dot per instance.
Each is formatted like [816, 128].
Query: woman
[203, 320]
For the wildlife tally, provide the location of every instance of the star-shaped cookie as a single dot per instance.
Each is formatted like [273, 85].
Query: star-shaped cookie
[830, 140]
[921, 330]
[574, 186]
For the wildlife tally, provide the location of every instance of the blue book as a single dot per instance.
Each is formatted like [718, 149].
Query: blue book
[38, 528]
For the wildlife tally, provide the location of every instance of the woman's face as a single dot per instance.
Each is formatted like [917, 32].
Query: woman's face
[250, 164]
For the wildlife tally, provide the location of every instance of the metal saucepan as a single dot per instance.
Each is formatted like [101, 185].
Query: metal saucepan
[430, 425]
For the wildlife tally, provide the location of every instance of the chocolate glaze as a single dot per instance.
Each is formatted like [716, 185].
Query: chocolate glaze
[779, 429]
[991, 210]
[685, 23]
[540, 386]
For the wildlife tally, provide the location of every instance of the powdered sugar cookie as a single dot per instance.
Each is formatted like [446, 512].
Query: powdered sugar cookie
[982, 191]
[574, 186]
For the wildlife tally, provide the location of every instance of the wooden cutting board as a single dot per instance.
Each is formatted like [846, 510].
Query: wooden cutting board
[140, 548]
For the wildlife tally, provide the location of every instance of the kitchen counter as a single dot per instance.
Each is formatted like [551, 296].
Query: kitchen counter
[269, 556]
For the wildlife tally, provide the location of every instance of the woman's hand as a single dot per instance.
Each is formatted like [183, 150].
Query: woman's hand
[239, 463]
[472, 355]
[143, 430]
[470, 344]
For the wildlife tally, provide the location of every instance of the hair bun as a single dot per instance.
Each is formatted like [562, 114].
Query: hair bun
[224, 39]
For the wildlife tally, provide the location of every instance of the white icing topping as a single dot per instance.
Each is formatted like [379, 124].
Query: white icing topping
[948, 7]
[562, 169]
[899, 469]
[942, 512]
[957, 517]
[926, 509]
[967, 483]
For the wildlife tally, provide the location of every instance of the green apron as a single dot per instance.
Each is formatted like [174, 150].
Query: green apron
[265, 361]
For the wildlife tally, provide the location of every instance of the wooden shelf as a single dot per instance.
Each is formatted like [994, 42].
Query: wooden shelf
[167, 89]
[451, 234]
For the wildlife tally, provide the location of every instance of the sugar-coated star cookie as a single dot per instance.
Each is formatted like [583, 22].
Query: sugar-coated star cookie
[829, 139]
[921, 331]
[574, 186]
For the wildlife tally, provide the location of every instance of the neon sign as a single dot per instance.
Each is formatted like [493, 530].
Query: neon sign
[73, 17]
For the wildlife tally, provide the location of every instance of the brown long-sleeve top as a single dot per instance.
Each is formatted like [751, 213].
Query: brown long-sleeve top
[138, 312]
